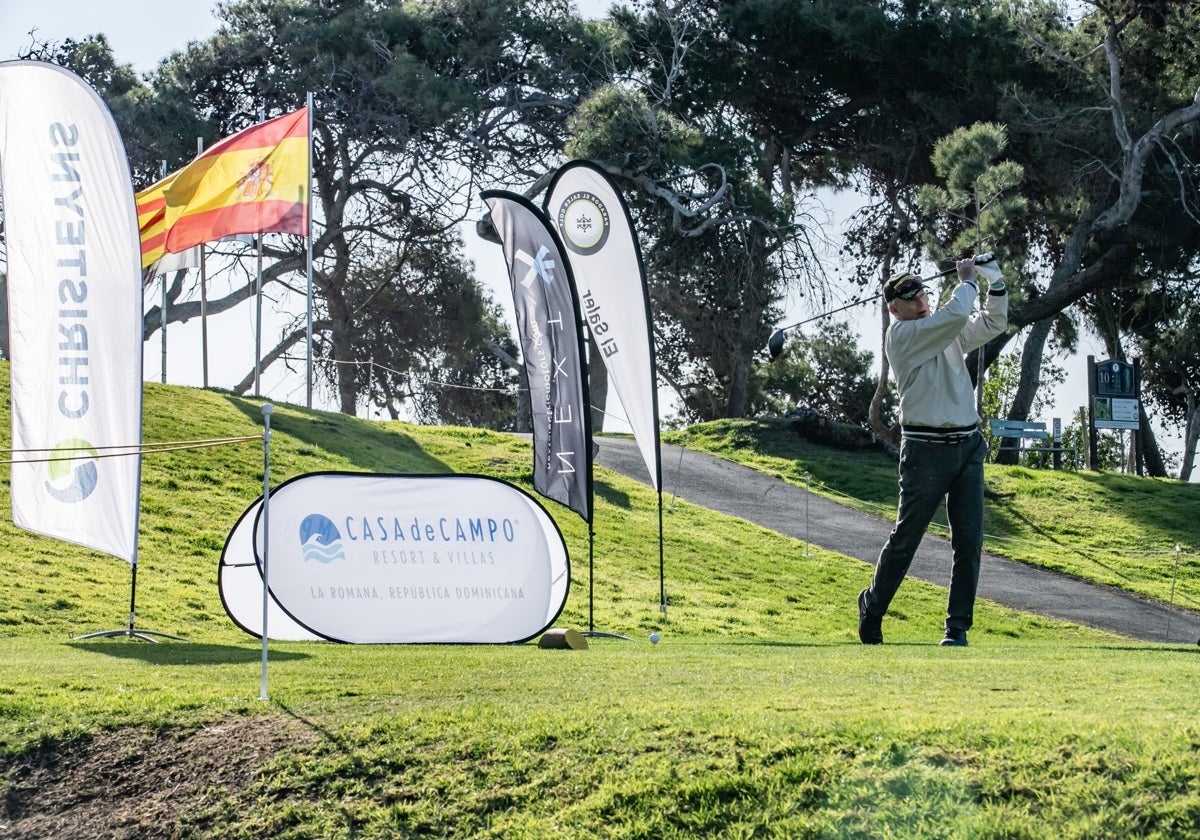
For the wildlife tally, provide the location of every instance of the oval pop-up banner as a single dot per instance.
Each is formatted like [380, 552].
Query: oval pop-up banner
[368, 558]
[240, 584]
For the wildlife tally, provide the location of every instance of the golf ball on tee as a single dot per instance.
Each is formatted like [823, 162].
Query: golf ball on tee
[654, 637]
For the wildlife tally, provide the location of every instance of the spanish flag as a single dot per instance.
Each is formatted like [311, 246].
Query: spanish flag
[253, 182]
[152, 219]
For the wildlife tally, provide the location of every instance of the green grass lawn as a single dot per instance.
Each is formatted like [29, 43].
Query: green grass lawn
[758, 715]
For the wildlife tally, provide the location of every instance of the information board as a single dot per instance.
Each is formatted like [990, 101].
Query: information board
[1115, 413]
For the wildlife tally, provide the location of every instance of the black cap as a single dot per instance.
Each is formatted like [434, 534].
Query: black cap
[904, 285]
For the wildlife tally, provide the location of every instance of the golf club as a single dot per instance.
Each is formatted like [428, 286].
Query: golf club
[775, 342]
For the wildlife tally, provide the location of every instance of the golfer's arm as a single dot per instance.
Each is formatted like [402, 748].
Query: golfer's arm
[921, 340]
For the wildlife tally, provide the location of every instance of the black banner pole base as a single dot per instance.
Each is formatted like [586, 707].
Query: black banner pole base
[130, 632]
[598, 634]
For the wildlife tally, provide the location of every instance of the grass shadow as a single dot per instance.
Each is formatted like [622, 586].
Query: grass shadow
[368, 446]
[1009, 515]
[615, 497]
[183, 653]
[1165, 505]
[1176, 648]
[867, 475]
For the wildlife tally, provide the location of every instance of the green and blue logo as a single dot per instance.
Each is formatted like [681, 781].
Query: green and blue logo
[72, 470]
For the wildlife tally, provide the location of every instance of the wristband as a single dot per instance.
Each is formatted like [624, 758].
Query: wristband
[997, 286]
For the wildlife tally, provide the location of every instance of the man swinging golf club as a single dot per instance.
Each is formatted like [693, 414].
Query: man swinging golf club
[941, 450]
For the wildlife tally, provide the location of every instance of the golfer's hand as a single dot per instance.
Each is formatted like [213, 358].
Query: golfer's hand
[966, 271]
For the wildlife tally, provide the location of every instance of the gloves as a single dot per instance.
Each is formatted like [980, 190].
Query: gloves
[991, 271]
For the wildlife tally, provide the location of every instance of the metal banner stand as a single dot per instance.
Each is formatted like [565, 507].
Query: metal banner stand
[130, 631]
[591, 631]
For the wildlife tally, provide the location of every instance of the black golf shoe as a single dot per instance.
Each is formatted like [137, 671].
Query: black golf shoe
[954, 638]
[870, 630]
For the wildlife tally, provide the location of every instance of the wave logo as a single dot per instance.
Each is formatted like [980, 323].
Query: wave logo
[320, 539]
[72, 470]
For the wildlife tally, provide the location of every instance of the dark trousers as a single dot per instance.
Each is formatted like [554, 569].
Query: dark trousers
[929, 473]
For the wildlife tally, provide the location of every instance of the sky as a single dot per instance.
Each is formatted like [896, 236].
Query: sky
[141, 32]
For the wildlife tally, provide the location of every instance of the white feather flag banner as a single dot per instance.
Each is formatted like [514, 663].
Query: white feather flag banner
[593, 222]
[75, 310]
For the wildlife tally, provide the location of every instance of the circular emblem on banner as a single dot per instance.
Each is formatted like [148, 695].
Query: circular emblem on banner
[72, 470]
[583, 220]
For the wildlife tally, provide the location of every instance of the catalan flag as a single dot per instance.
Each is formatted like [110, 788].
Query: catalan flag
[152, 219]
[255, 181]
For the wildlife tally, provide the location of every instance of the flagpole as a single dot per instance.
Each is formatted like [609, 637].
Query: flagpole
[163, 307]
[203, 295]
[163, 327]
[258, 321]
[308, 235]
[203, 317]
[262, 116]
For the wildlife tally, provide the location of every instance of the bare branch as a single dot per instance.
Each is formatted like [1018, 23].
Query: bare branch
[279, 351]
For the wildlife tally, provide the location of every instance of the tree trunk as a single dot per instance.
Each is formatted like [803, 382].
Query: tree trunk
[875, 412]
[1151, 452]
[739, 386]
[279, 351]
[1190, 436]
[748, 322]
[345, 371]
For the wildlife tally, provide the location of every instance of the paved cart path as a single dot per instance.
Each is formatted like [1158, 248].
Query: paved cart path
[732, 489]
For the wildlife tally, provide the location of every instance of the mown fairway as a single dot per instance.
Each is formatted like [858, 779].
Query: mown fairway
[758, 715]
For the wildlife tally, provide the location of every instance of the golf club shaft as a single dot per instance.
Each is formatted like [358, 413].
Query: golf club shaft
[979, 260]
[832, 312]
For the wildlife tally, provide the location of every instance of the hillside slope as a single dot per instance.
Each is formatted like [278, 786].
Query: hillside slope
[724, 576]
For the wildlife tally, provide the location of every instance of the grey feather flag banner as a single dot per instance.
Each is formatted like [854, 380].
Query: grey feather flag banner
[593, 222]
[551, 337]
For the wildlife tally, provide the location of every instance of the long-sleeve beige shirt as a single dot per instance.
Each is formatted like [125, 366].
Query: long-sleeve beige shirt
[927, 358]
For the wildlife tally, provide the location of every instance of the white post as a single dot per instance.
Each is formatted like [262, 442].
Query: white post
[1171, 606]
[266, 532]
[203, 317]
[807, 552]
[308, 236]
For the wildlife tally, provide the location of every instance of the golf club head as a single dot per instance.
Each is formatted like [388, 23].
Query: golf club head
[775, 344]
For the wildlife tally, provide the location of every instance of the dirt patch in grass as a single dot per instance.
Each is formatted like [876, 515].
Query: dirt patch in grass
[130, 783]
